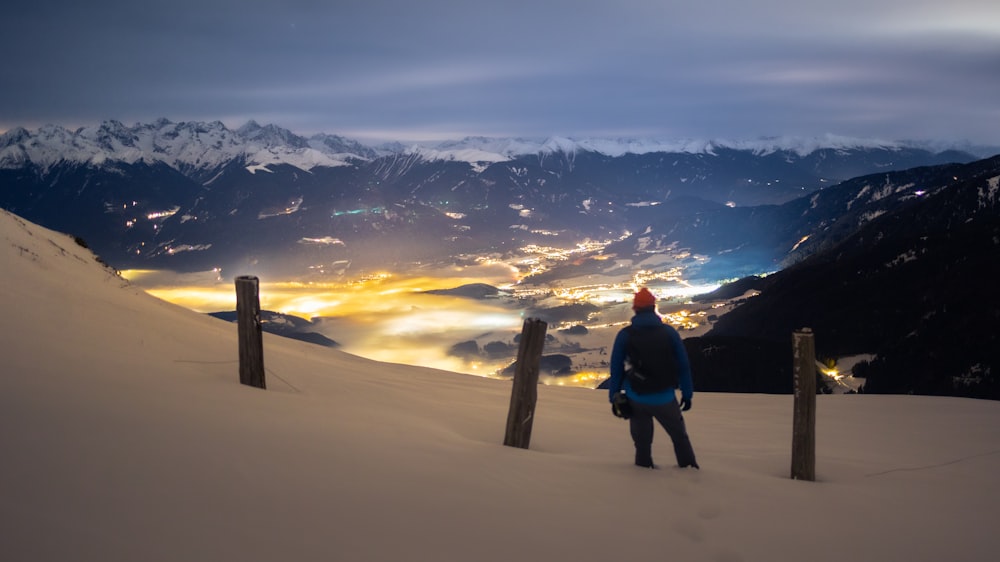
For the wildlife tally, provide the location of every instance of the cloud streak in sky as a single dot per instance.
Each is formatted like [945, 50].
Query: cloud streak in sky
[441, 68]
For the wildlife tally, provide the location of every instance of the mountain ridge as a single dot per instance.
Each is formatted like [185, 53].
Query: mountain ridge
[909, 285]
[181, 195]
[199, 145]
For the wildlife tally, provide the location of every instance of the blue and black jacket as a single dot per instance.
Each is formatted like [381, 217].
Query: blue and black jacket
[618, 381]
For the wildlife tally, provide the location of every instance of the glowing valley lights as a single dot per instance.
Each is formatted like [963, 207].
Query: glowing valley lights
[416, 319]
[162, 214]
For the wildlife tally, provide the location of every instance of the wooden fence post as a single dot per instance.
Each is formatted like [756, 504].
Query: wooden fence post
[251, 343]
[525, 391]
[804, 423]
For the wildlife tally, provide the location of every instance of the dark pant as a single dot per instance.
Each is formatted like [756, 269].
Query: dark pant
[669, 416]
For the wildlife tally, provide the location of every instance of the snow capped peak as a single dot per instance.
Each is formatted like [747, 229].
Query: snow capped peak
[335, 144]
[249, 127]
[560, 144]
[270, 136]
[13, 136]
[111, 137]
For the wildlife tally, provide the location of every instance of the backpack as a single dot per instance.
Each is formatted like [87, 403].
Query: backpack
[653, 365]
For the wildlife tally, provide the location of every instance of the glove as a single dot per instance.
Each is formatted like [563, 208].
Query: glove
[620, 406]
[685, 404]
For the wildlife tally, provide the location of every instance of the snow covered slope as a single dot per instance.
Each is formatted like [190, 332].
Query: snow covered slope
[126, 436]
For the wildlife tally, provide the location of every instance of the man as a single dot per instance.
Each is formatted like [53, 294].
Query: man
[657, 365]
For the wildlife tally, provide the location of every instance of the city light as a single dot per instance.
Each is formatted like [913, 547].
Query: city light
[416, 319]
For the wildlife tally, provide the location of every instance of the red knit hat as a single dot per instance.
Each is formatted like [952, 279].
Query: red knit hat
[643, 299]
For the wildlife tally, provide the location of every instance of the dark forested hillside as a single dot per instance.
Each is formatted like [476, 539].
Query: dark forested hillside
[915, 287]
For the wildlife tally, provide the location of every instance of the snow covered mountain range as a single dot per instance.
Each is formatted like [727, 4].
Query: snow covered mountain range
[185, 195]
[188, 146]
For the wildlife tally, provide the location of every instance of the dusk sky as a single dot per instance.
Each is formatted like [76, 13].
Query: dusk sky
[444, 69]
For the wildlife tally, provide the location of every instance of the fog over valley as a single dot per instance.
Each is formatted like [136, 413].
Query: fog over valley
[428, 315]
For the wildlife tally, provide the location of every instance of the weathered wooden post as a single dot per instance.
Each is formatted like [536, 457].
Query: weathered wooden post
[804, 424]
[525, 391]
[251, 345]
